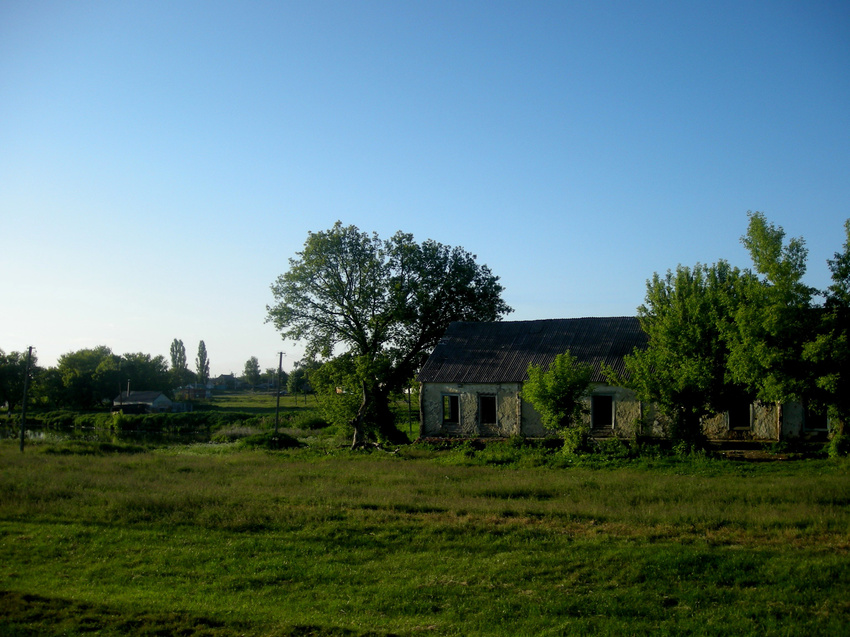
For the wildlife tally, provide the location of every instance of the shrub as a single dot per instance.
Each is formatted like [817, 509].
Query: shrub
[838, 446]
[308, 420]
[271, 440]
[613, 448]
[232, 434]
[577, 441]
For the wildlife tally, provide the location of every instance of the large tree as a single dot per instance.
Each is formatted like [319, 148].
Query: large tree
[89, 377]
[687, 316]
[771, 329]
[13, 370]
[251, 373]
[829, 350]
[180, 372]
[385, 303]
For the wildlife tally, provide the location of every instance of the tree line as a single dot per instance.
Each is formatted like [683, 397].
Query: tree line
[370, 311]
[91, 378]
[720, 336]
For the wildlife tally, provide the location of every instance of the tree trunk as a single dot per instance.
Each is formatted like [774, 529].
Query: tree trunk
[357, 423]
[375, 411]
[385, 420]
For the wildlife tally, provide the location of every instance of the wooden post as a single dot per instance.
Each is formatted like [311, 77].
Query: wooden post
[277, 407]
[24, 403]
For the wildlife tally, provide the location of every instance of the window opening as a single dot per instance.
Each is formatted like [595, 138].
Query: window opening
[602, 412]
[451, 411]
[740, 416]
[487, 410]
[815, 419]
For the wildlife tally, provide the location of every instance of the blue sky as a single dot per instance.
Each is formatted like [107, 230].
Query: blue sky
[161, 161]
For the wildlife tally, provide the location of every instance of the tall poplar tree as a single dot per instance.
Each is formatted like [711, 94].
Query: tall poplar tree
[179, 365]
[202, 364]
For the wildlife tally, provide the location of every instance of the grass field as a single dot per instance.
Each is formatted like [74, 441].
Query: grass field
[211, 540]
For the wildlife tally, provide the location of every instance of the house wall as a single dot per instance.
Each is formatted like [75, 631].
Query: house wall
[514, 415]
[507, 409]
[764, 424]
[768, 421]
[162, 403]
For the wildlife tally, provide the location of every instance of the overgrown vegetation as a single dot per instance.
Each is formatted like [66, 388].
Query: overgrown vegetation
[471, 539]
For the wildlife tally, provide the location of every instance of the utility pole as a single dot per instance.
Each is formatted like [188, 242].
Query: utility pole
[24, 403]
[277, 407]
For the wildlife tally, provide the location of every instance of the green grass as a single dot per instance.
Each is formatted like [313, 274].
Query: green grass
[257, 402]
[180, 540]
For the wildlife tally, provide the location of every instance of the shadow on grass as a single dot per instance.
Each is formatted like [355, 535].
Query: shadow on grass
[26, 615]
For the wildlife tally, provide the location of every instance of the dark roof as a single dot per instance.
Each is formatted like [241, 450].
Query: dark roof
[140, 397]
[500, 352]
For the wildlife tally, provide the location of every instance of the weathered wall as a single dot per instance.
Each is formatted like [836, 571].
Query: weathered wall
[514, 414]
[507, 409]
[631, 417]
[627, 413]
[764, 425]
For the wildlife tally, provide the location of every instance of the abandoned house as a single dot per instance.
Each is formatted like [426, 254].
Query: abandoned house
[471, 384]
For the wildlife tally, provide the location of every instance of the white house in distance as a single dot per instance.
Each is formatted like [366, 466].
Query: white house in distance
[471, 384]
[142, 402]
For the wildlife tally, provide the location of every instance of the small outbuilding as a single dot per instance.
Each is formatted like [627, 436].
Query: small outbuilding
[142, 402]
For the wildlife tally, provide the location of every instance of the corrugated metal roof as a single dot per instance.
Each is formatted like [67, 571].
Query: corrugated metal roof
[500, 352]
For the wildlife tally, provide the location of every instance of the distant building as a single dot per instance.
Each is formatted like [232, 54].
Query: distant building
[142, 402]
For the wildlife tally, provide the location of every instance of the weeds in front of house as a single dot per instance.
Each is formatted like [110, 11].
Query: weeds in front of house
[515, 538]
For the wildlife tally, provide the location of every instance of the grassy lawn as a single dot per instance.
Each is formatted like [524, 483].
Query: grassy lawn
[212, 540]
[256, 402]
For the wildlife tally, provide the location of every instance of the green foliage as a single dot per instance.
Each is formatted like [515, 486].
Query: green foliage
[202, 364]
[577, 441]
[180, 373]
[385, 303]
[769, 333]
[298, 381]
[251, 372]
[270, 440]
[339, 390]
[687, 315]
[559, 392]
[90, 378]
[829, 350]
[13, 369]
[838, 446]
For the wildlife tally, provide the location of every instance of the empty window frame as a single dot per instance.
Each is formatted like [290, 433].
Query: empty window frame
[815, 419]
[602, 412]
[740, 416]
[451, 409]
[487, 409]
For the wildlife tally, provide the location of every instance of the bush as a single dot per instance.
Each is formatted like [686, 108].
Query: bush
[232, 434]
[577, 441]
[308, 420]
[838, 446]
[613, 448]
[58, 419]
[271, 440]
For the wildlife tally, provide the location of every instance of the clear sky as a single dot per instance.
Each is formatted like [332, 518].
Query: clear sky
[161, 161]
